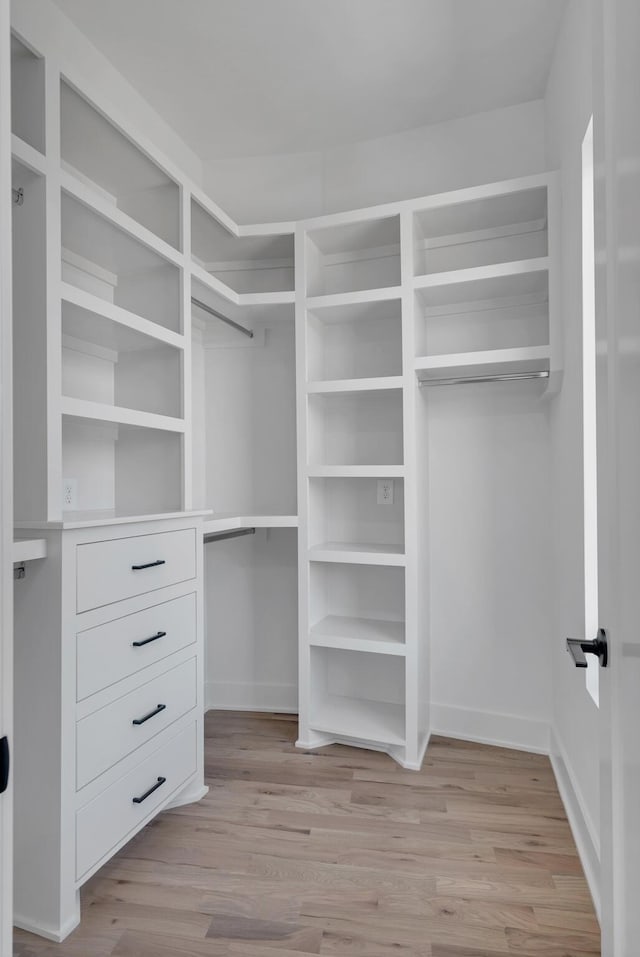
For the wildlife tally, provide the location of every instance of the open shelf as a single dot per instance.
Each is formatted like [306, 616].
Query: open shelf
[100, 155]
[122, 469]
[355, 471]
[353, 257]
[27, 95]
[362, 604]
[111, 363]
[105, 261]
[247, 264]
[360, 341]
[358, 553]
[494, 362]
[346, 386]
[358, 695]
[355, 428]
[497, 228]
[345, 510]
[359, 634]
[508, 311]
[242, 309]
[107, 412]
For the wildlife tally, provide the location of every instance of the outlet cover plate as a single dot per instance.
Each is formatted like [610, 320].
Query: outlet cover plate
[385, 492]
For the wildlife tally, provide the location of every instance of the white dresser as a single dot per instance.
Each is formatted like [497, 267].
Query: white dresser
[109, 701]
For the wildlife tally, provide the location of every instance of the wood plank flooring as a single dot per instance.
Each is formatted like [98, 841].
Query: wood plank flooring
[341, 852]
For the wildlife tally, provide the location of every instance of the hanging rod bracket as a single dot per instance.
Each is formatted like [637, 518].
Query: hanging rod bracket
[218, 315]
[234, 533]
[468, 380]
[18, 196]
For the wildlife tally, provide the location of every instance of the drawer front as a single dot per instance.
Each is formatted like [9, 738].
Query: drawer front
[125, 567]
[113, 815]
[110, 652]
[108, 735]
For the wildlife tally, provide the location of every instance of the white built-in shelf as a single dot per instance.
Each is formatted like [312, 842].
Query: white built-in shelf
[98, 204]
[107, 161]
[32, 158]
[227, 522]
[29, 549]
[488, 227]
[344, 386]
[359, 634]
[494, 362]
[92, 319]
[496, 287]
[356, 471]
[261, 263]
[333, 302]
[350, 257]
[358, 553]
[495, 273]
[359, 718]
[244, 308]
[101, 412]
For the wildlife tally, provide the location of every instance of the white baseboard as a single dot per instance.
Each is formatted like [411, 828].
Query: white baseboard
[582, 827]
[487, 727]
[56, 934]
[251, 696]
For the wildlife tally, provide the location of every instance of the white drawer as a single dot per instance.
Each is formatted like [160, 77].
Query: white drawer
[124, 567]
[113, 815]
[106, 736]
[107, 653]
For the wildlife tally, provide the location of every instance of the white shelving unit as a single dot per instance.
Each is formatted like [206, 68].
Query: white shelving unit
[451, 288]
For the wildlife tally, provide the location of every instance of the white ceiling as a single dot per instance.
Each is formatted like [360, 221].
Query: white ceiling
[253, 77]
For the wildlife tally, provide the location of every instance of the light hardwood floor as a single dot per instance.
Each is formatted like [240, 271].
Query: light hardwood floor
[341, 852]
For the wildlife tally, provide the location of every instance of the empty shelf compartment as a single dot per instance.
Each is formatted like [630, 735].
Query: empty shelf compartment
[354, 256]
[504, 227]
[362, 340]
[344, 516]
[358, 695]
[357, 428]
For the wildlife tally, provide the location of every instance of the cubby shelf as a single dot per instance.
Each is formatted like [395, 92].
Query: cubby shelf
[334, 300]
[343, 386]
[92, 305]
[488, 363]
[249, 302]
[98, 204]
[28, 155]
[357, 718]
[495, 271]
[359, 634]
[101, 412]
[358, 553]
[356, 471]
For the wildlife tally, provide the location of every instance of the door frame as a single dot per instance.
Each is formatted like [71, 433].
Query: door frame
[6, 479]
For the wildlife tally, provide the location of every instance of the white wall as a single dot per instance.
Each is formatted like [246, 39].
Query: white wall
[568, 107]
[476, 149]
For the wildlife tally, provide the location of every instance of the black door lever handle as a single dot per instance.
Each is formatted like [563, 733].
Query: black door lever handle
[579, 648]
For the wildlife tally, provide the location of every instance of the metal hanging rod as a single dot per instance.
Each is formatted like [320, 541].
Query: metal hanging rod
[218, 315]
[220, 536]
[17, 195]
[504, 377]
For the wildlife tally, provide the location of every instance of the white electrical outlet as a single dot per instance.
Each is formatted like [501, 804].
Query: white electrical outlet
[69, 494]
[385, 491]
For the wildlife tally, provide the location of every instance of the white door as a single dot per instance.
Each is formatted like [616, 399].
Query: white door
[617, 210]
[6, 468]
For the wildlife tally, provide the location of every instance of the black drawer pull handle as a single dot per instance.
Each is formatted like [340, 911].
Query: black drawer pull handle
[143, 797]
[137, 568]
[151, 714]
[145, 641]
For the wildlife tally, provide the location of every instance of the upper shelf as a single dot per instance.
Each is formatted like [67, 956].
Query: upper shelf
[488, 363]
[353, 257]
[101, 155]
[246, 264]
[480, 232]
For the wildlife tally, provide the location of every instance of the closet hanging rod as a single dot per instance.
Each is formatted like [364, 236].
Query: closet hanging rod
[218, 315]
[503, 377]
[17, 195]
[220, 536]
